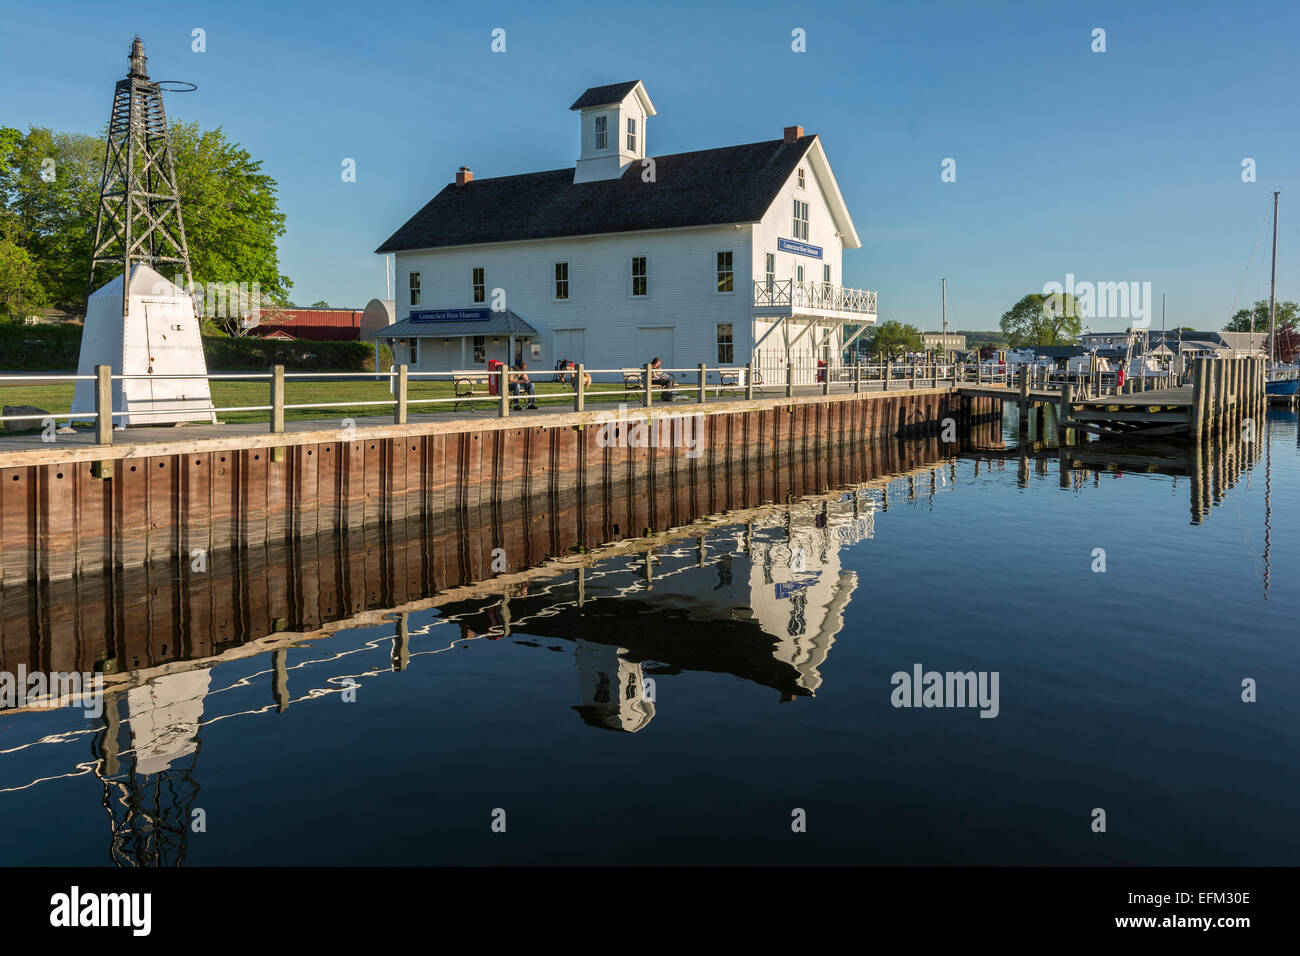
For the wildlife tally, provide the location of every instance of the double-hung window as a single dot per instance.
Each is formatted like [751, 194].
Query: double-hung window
[640, 276]
[480, 285]
[602, 132]
[726, 275]
[726, 349]
[561, 280]
[415, 288]
[800, 219]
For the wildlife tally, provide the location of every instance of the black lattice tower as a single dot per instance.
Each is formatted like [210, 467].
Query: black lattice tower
[139, 218]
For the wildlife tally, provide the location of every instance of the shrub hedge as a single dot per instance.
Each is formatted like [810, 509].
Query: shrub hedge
[35, 348]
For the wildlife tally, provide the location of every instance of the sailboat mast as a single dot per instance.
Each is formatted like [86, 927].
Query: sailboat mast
[1272, 293]
[943, 309]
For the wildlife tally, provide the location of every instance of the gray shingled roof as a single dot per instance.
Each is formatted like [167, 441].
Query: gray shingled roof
[604, 95]
[496, 323]
[707, 187]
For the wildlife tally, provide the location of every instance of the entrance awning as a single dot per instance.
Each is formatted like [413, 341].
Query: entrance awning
[455, 323]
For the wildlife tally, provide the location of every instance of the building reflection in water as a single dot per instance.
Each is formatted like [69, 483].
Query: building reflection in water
[761, 597]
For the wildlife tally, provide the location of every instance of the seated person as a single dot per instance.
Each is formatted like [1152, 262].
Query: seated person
[520, 385]
[572, 377]
[662, 379]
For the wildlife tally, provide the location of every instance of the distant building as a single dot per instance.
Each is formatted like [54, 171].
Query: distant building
[319, 325]
[1222, 344]
[1104, 340]
[944, 342]
[1179, 342]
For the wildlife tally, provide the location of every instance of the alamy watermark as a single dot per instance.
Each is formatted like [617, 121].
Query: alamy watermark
[38, 689]
[1100, 300]
[220, 300]
[922, 688]
[648, 428]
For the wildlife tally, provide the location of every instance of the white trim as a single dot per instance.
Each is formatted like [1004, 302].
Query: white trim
[839, 211]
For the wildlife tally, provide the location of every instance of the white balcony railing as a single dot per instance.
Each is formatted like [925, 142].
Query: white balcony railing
[794, 295]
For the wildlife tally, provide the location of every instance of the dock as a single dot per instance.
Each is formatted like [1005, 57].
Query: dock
[1214, 394]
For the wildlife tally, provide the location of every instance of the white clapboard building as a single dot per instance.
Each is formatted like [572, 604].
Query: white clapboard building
[721, 256]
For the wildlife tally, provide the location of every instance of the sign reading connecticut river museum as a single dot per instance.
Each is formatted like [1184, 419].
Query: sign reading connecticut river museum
[451, 315]
[799, 248]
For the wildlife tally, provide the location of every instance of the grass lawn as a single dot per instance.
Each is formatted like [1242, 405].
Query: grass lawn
[57, 398]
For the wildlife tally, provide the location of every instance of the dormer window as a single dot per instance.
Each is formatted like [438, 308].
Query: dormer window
[602, 132]
[631, 135]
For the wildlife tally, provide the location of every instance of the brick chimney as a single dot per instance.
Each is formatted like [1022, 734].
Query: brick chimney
[792, 133]
[464, 176]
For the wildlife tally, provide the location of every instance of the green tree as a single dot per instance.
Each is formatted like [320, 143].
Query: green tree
[49, 195]
[1042, 320]
[21, 292]
[231, 212]
[50, 186]
[894, 339]
[320, 304]
[1287, 313]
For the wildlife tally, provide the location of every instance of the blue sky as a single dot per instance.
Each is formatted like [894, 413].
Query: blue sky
[1115, 166]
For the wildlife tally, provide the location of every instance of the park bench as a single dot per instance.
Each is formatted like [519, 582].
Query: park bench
[468, 385]
[632, 379]
[730, 381]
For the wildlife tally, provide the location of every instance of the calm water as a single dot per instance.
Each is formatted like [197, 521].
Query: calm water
[767, 639]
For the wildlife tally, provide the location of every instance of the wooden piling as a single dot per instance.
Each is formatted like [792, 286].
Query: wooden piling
[1199, 384]
[1065, 434]
[400, 407]
[1024, 399]
[104, 404]
[277, 399]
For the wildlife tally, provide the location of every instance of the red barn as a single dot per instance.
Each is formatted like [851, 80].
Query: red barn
[320, 325]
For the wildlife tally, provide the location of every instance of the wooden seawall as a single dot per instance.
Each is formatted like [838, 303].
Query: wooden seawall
[188, 500]
[154, 615]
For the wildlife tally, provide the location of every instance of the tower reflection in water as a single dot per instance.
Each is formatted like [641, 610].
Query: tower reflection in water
[150, 791]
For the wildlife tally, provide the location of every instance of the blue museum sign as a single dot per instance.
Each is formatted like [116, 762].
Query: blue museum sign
[451, 315]
[799, 248]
